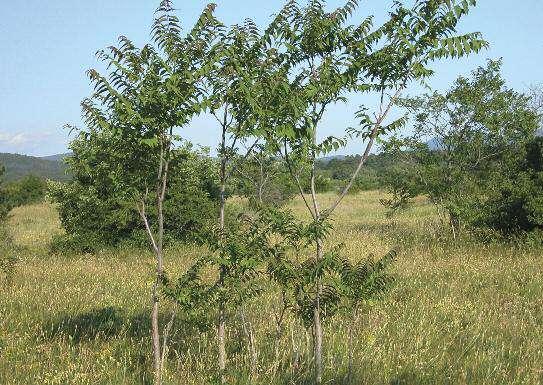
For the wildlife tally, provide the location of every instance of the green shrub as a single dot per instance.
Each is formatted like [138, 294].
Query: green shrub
[96, 212]
[514, 200]
[28, 190]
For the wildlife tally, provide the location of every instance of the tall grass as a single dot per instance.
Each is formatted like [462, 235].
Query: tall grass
[461, 312]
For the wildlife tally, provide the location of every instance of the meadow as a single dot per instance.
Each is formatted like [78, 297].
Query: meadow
[460, 312]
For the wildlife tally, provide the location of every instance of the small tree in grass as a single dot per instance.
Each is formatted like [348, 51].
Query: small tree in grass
[229, 90]
[316, 57]
[147, 95]
[468, 147]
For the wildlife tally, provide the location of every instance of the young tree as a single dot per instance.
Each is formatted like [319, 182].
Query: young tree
[228, 87]
[316, 57]
[476, 130]
[148, 94]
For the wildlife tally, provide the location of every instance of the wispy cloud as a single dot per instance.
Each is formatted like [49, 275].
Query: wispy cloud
[14, 138]
[31, 142]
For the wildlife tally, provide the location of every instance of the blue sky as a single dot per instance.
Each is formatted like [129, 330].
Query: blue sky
[46, 47]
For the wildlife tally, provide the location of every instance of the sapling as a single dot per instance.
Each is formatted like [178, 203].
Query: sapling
[148, 94]
[318, 59]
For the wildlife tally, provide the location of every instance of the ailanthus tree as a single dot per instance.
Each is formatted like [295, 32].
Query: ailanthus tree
[315, 58]
[228, 87]
[148, 94]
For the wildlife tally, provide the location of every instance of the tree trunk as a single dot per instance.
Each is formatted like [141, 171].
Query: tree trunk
[157, 349]
[156, 337]
[350, 347]
[221, 329]
[317, 326]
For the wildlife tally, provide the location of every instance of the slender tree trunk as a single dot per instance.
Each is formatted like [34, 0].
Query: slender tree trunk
[156, 337]
[157, 349]
[221, 329]
[317, 325]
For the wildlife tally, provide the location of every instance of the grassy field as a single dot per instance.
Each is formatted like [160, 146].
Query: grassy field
[461, 312]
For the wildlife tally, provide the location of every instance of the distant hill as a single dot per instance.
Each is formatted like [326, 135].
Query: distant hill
[57, 157]
[18, 166]
[327, 159]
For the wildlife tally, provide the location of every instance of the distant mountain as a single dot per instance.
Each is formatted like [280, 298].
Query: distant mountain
[57, 157]
[327, 159]
[18, 166]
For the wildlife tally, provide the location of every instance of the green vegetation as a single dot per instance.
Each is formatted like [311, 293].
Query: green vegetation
[460, 311]
[96, 212]
[485, 168]
[29, 189]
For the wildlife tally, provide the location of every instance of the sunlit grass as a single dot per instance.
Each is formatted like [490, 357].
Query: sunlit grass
[461, 312]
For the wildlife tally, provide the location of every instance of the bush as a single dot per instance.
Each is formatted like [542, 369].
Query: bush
[30, 189]
[96, 213]
[514, 200]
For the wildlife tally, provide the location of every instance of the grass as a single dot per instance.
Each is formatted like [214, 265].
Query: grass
[462, 312]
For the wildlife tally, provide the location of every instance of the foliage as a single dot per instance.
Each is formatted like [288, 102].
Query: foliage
[466, 143]
[263, 179]
[343, 284]
[313, 59]
[96, 214]
[239, 253]
[513, 201]
[340, 169]
[30, 189]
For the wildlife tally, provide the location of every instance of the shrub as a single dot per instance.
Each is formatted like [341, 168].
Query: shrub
[30, 189]
[95, 212]
[514, 202]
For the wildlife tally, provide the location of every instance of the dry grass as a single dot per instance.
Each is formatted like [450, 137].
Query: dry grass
[461, 313]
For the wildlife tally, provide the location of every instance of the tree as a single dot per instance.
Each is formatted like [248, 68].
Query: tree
[148, 94]
[316, 58]
[476, 130]
[263, 178]
[228, 88]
